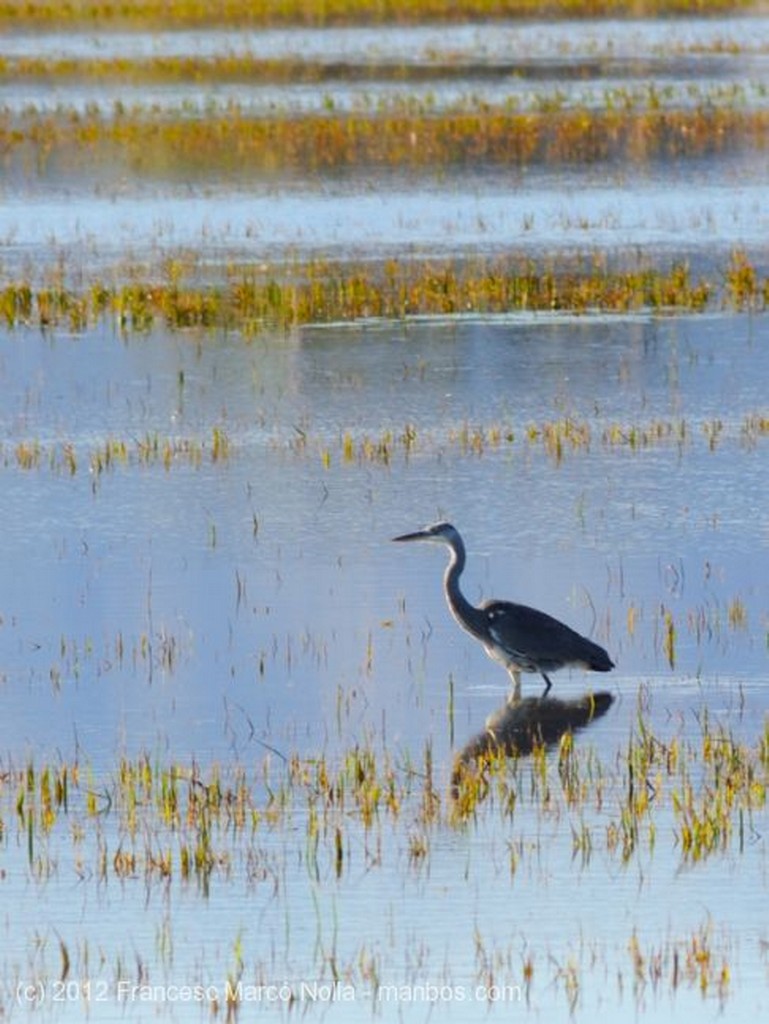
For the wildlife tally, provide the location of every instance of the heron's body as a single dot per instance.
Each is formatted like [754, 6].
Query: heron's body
[522, 639]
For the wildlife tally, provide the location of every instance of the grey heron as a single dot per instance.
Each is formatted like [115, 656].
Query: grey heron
[522, 639]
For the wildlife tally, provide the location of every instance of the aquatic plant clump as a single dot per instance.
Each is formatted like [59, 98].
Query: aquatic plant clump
[222, 142]
[266, 298]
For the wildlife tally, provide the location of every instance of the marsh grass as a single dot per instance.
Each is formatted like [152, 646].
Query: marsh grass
[698, 796]
[257, 298]
[146, 14]
[146, 145]
[287, 820]
[364, 79]
[556, 440]
[150, 822]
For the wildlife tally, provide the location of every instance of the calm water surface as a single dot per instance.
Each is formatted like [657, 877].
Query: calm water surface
[226, 610]
[508, 88]
[306, 530]
[549, 41]
[701, 213]
[292, 621]
[102, 219]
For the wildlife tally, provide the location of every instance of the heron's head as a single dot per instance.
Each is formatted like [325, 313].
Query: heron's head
[438, 533]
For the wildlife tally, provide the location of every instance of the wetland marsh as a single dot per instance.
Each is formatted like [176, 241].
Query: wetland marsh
[270, 296]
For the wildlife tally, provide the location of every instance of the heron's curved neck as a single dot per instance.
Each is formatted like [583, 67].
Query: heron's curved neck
[465, 613]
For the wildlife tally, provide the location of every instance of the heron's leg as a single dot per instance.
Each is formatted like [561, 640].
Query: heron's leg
[515, 675]
[548, 684]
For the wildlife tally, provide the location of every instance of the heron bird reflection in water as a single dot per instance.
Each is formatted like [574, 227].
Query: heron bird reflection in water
[522, 639]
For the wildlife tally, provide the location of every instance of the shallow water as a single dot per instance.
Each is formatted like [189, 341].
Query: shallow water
[224, 606]
[276, 611]
[675, 522]
[98, 220]
[550, 41]
[700, 213]
[509, 89]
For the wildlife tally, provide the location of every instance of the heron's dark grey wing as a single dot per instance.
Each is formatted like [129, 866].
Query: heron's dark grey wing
[540, 639]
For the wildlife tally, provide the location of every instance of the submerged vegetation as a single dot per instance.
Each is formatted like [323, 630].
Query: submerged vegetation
[290, 821]
[700, 795]
[556, 439]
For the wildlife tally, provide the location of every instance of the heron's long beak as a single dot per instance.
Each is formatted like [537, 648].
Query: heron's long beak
[419, 535]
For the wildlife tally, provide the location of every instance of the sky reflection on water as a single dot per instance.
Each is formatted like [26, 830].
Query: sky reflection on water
[90, 559]
[226, 613]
